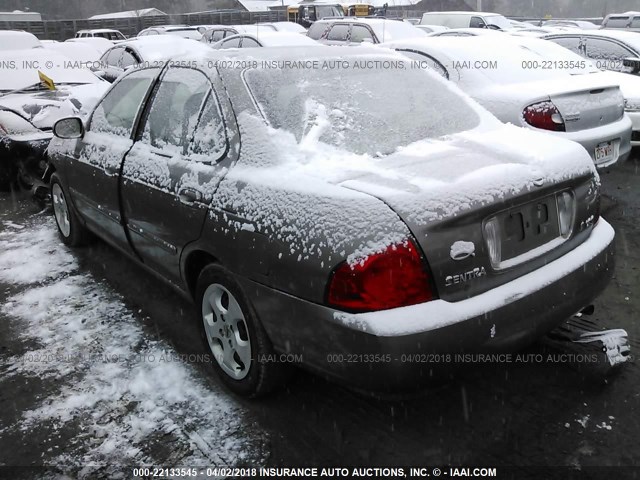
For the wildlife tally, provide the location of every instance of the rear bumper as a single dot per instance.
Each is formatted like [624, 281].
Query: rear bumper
[400, 347]
[618, 132]
[635, 128]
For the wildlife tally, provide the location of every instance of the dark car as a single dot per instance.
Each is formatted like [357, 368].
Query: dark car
[334, 224]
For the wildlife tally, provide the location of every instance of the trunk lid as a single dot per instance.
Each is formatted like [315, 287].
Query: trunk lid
[446, 197]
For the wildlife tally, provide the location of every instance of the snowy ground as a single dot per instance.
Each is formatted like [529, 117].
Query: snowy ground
[122, 390]
[99, 368]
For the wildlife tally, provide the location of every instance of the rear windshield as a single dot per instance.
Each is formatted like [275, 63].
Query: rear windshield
[362, 110]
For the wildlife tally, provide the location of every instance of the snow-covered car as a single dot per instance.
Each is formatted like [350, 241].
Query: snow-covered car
[28, 109]
[331, 222]
[513, 84]
[471, 32]
[97, 43]
[13, 39]
[285, 27]
[431, 28]
[629, 84]
[462, 19]
[265, 39]
[83, 53]
[106, 33]
[354, 30]
[561, 22]
[149, 50]
[220, 32]
[184, 31]
[614, 50]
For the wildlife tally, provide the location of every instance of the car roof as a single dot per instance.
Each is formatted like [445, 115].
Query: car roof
[631, 38]
[25, 39]
[277, 38]
[457, 12]
[98, 30]
[162, 46]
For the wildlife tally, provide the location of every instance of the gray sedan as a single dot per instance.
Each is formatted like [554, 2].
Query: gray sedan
[521, 82]
[356, 229]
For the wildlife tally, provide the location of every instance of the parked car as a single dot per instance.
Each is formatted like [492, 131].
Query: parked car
[220, 32]
[109, 34]
[285, 27]
[266, 39]
[628, 21]
[629, 84]
[97, 43]
[12, 39]
[353, 30]
[184, 31]
[607, 49]
[28, 108]
[582, 24]
[514, 86]
[431, 28]
[149, 50]
[470, 32]
[359, 220]
[80, 52]
[466, 20]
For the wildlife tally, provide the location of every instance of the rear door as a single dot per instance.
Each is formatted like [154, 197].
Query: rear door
[175, 166]
[94, 168]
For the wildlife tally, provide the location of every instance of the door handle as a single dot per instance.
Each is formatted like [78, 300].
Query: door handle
[189, 195]
[112, 169]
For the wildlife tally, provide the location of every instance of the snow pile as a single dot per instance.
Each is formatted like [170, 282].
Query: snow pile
[124, 387]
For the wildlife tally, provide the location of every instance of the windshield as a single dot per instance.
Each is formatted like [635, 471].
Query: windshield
[323, 11]
[498, 21]
[382, 103]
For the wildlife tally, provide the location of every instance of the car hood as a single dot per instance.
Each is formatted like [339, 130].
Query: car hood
[44, 108]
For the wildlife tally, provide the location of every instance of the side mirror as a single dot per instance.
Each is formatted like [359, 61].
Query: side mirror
[632, 62]
[68, 128]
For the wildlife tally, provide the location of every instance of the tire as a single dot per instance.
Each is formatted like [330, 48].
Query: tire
[70, 228]
[232, 333]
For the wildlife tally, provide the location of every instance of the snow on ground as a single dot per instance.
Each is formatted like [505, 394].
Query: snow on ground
[122, 386]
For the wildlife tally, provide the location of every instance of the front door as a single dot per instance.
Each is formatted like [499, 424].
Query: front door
[175, 166]
[94, 167]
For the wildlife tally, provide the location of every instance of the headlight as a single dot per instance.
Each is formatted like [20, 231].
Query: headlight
[632, 105]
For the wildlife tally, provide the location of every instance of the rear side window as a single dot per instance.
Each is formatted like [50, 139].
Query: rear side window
[608, 55]
[635, 23]
[571, 43]
[338, 33]
[118, 110]
[248, 42]
[113, 56]
[217, 35]
[360, 33]
[231, 43]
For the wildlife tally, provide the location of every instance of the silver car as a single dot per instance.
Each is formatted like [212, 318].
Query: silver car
[523, 87]
[356, 228]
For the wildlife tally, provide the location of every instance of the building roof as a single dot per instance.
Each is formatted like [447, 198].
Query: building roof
[143, 12]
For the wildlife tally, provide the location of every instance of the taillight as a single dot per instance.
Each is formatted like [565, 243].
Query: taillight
[544, 115]
[393, 278]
